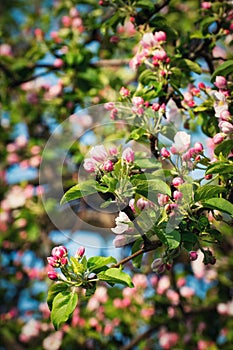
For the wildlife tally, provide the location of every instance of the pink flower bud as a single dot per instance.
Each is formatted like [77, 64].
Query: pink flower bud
[143, 204]
[89, 165]
[63, 261]
[193, 255]
[220, 82]
[225, 115]
[108, 165]
[66, 21]
[201, 86]
[58, 63]
[160, 36]
[165, 153]
[80, 252]
[59, 252]
[163, 199]
[177, 181]
[52, 261]
[218, 138]
[109, 106]
[206, 5]
[52, 275]
[158, 265]
[114, 39]
[155, 107]
[124, 92]
[131, 204]
[113, 113]
[128, 155]
[137, 101]
[198, 147]
[177, 195]
[226, 127]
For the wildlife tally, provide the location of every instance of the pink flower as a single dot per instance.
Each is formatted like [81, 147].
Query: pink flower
[158, 265]
[99, 153]
[109, 106]
[177, 195]
[163, 199]
[206, 5]
[225, 115]
[160, 36]
[159, 54]
[137, 101]
[80, 252]
[52, 275]
[58, 63]
[193, 255]
[198, 147]
[182, 142]
[143, 204]
[168, 340]
[165, 153]
[226, 127]
[52, 261]
[220, 82]
[218, 138]
[128, 155]
[108, 165]
[148, 41]
[177, 181]
[5, 50]
[124, 92]
[59, 252]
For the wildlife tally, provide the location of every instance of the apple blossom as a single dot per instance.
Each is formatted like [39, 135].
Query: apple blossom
[220, 82]
[98, 153]
[182, 142]
[121, 223]
[128, 155]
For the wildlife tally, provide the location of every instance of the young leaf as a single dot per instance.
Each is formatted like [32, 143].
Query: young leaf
[80, 190]
[220, 168]
[173, 239]
[219, 204]
[96, 263]
[54, 289]
[63, 306]
[224, 147]
[77, 266]
[115, 275]
[148, 163]
[208, 191]
[224, 69]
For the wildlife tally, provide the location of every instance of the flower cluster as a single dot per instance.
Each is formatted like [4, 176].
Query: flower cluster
[151, 52]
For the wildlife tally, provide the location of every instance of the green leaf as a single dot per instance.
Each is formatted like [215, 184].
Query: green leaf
[173, 239]
[63, 306]
[220, 168]
[224, 147]
[53, 291]
[96, 263]
[150, 187]
[77, 266]
[219, 204]
[148, 163]
[208, 191]
[224, 69]
[187, 191]
[115, 275]
[189, 65]
[80, 190]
